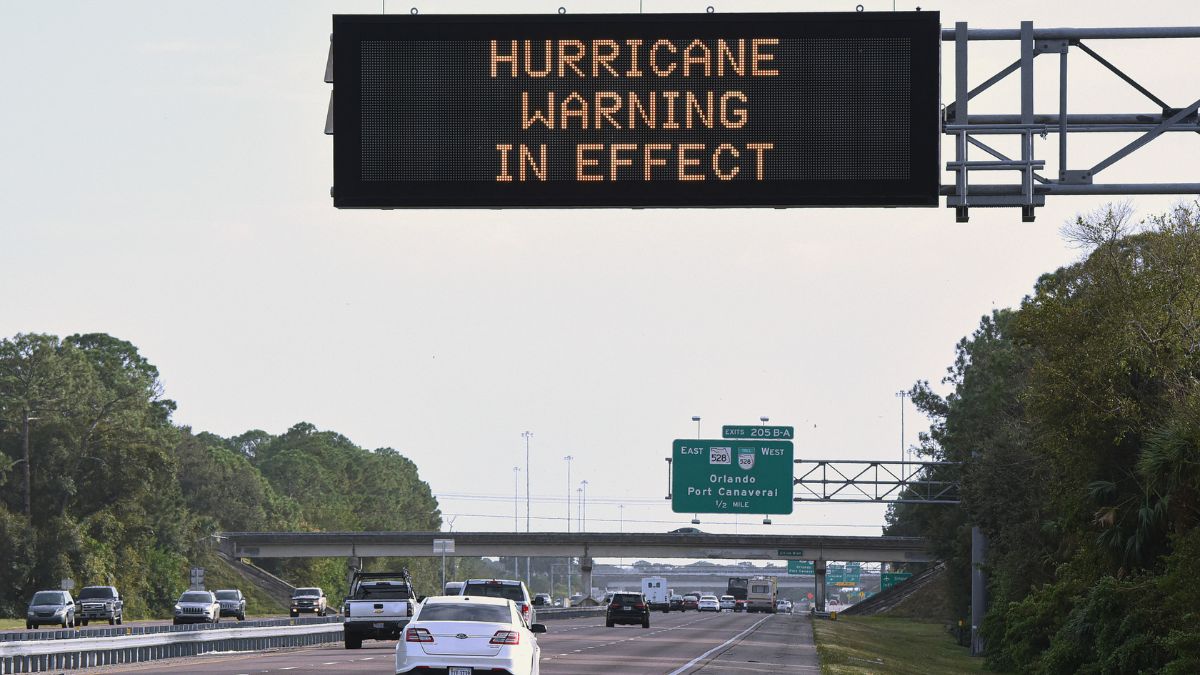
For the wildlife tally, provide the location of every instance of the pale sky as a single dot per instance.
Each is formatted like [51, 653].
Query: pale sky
[165, 179]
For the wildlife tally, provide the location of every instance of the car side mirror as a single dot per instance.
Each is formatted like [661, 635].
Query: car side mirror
[538, 628]
[420, 599]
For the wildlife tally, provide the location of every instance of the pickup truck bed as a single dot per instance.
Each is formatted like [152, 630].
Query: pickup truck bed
[378, 608]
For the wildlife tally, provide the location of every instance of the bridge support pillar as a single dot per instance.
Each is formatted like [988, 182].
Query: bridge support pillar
[585, 576]
[353, 564]
[819, 593]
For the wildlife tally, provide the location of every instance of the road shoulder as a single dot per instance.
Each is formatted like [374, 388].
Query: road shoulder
[782, 643]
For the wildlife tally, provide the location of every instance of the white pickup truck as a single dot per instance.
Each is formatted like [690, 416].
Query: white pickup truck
[380, 605]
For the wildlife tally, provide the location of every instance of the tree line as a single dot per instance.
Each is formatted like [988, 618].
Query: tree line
[1076, 422]
[100, 486]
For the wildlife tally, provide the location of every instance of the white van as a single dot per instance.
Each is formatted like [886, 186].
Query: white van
[658, 595]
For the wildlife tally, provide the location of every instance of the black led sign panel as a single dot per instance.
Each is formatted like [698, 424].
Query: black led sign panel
[666, 110]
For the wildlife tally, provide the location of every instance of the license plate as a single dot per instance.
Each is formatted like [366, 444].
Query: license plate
[628, 609]
[460, 671]
[377, 625]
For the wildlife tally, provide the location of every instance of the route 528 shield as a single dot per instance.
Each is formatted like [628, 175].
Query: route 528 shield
[746, 458]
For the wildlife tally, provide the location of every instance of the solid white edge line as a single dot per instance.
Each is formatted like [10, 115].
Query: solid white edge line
[698, 659]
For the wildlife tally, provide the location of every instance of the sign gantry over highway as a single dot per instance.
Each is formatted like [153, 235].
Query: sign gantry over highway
[728, 476]
[635, 110]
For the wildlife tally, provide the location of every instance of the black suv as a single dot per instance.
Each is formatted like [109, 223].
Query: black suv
[627, 608]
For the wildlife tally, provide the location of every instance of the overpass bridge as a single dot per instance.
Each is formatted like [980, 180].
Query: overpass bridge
[583, 545]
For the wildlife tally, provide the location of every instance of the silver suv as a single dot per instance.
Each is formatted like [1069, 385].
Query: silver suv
[197, 607]
[504, 588]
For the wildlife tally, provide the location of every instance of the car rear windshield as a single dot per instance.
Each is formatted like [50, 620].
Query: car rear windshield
[196, 597]
[760, 588]
[306, 591]
[626, 599]
[382, 592]
[48, 598]
[509, 591]
[227, 595]
[465, 612]
[96, 592]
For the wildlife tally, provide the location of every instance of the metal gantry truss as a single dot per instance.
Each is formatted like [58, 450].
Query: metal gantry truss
[1032, 189]
[832, 480]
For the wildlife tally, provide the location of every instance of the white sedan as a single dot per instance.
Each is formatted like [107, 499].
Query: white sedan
[709, 603]
[461, 635]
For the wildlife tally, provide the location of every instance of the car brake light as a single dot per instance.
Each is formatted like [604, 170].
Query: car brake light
[417, 635]
[506, 637]
[639, 606]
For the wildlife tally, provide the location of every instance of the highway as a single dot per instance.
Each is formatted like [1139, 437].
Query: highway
[675, 643]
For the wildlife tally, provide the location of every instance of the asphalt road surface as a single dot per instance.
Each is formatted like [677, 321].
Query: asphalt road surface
[675, 644]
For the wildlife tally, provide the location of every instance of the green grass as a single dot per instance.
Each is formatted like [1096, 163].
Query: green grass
[12, 624]
[219, 575]
[855, 645]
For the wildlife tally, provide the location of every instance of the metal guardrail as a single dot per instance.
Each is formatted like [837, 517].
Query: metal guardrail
[119, 631]
[37, 651]
[88, 651]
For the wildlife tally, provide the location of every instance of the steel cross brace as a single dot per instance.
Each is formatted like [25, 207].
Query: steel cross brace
[830, 480]
[1033, 187]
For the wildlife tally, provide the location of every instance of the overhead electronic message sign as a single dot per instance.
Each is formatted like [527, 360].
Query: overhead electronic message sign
[667, 110]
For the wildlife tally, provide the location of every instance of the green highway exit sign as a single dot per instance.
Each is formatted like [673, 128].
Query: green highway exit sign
[731, 476]
[765, 433]
[801, 567]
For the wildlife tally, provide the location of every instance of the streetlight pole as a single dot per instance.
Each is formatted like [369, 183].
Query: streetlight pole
[569, 458]
[902, 395]
[527, 435]
[579, 496]
[516, 495]
[583, 508]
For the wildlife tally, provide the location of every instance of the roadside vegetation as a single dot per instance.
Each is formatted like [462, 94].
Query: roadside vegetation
[99, 485]
[1076, 418]
[870, 644]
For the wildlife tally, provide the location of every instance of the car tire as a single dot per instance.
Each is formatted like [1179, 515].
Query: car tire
[295, 614]
[120, 619]
[174, 622]
[353, 642]
[83, 622]
[242, 616]
[608, 623]
[112, 621]
[646, 623]
[30, 626]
